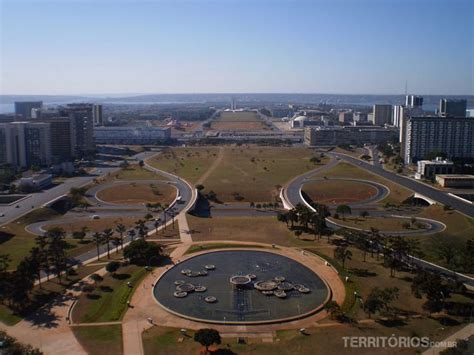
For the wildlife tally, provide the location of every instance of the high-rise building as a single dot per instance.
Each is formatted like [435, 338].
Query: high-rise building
[26, 143]
[451, 136]
[412, 101]
[452, 108]
[398, 113]
[82, 128]
[61, 147]
[382, 115]
[345, 117]
[360, 118]
[97, 115]
[24, 108]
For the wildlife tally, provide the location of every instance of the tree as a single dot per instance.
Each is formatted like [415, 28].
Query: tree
[206, 337]
[282, 217]
[156, 224]
[432, 286]
[141, 228]
[343, 210]
[141, 252]
[333, 308]
[57, 250]
[4, 276]
[107, 237]
[342, 254]
[199, 187]
[112, 267]
[379, 299]
[11, 346]
[141, 163]
[445, 248]
[364, 214]
[121, 229]
[35, 260]
[148, 217]
[98, 240]
[132, 234]
[42, 245]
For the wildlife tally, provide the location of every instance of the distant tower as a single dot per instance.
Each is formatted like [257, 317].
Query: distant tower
[233, 105]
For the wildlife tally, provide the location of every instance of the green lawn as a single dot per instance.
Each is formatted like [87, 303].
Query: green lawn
[337, 192]
[135, 172]
[380, 223]
[397, 195]
[256, 173]
[103, 340]
[188, 163]
[246, 229]
[19, 245]
[109, 300]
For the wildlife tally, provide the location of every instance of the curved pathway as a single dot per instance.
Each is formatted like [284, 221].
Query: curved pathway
[291, 196]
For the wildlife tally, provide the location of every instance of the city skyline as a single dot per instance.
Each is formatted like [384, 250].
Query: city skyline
[341, 47]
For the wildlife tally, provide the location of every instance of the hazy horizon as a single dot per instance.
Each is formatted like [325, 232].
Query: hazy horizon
[359, 47]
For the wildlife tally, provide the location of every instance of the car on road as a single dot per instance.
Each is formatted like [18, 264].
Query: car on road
[96, 216]
[2, 214]
[17, 206]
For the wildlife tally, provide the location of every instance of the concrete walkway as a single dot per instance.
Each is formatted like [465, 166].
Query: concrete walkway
[48, 328]
[184, 232]
[145, 306]
[135, 320]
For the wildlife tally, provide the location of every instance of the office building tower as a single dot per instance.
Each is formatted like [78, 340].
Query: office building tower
[382, 114]
[452, 136]
[360, 118]
[398, 113]
[60, 131]
[97, 115]
[412, 101]
[452, 108]
[345, 117]
[26, 143]
[23, 109]
[82, 128]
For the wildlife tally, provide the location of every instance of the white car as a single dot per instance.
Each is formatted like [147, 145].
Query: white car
[96, 216]
[2, 214]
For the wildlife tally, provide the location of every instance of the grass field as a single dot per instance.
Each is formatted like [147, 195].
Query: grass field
[104, 340]
[135, 172]
[108, 302]
[188, 163]
[245, 229]
[134, 193]
[238, 121]
[380, 223]
[256, 173]
[211, 246]
[95, 225]
[338, 191]
[318, 341]
[398, 194]
[15, 240]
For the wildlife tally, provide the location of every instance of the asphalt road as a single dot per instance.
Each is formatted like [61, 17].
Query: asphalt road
[432, 193]
[292, 195]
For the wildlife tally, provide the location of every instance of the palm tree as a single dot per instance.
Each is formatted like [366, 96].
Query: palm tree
[141, 228]
[164, 207]
[121, 229]
[132, 234]
[156, 224]
[342, 254]
[107, 234]
[98, 239]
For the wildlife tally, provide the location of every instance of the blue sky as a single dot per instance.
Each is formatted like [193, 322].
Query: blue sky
[330, 46]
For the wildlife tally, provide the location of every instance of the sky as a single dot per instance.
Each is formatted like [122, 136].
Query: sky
[232, 46]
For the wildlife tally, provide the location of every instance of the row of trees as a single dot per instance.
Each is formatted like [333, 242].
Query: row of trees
[303, 219]
[47, 257]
